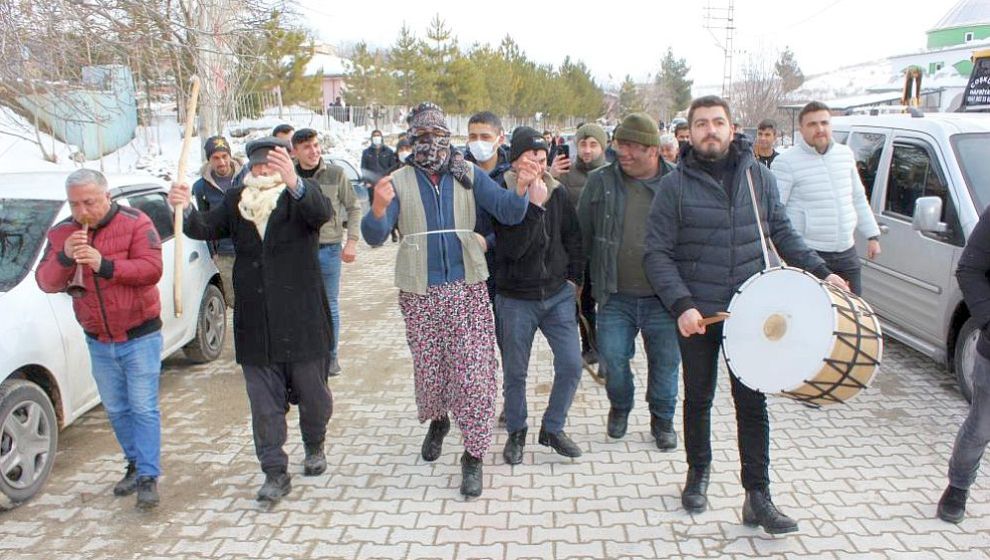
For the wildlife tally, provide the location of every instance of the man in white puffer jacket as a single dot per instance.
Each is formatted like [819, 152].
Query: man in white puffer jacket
[824, 197]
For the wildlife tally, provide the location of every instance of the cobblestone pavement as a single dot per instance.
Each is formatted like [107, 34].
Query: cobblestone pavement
[861, 479]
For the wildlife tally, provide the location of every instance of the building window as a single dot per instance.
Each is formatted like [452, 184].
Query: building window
[968, 36]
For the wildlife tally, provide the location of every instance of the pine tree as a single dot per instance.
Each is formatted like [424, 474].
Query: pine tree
[411, 73]
[673, 82]
[284, 54]
[788, 70]
[630, 100]
[369, 82]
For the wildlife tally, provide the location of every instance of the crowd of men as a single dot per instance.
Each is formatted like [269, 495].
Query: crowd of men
[592, 243]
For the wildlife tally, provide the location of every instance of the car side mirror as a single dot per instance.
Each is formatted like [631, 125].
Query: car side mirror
[927, 211]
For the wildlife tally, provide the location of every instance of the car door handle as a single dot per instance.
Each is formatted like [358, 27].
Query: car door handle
[193, 256]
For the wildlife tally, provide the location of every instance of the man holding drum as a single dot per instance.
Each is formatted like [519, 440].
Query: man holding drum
[702, 243]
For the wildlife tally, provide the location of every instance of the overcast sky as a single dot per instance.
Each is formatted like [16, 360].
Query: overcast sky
[625, 37]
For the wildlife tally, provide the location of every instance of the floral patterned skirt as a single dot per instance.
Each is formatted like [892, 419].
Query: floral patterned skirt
[451, 335]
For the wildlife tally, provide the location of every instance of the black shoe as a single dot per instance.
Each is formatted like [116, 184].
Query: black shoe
[694, 497]
[147, 492]
[513, 451]
[590, 357]
[433, 444]
[292, 396]
[127, 485]
[275, 487]
[334, 369]
[663, 433]
[758, 509]
[501, 418]
[471, 473]
[952, 506]
[315, 462]
[618, 421]
[560, 442]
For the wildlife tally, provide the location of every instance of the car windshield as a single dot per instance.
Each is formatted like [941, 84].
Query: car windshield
[971, 151]
[23, 225]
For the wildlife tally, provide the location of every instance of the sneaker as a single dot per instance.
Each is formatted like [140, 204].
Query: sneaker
[127, 485]
[147, 492]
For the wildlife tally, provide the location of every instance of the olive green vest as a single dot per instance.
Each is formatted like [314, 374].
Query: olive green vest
[411, 264]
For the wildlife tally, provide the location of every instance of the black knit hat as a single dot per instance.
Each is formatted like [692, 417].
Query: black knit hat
[525, 139]
[216, 144]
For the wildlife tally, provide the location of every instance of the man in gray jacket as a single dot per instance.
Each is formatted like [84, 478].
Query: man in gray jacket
[346, 212]
[702, 243]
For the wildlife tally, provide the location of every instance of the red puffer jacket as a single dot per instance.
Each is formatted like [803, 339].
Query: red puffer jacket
[121, 301]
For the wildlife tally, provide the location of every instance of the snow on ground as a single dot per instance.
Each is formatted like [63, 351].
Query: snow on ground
[155, 148]
[850, 80]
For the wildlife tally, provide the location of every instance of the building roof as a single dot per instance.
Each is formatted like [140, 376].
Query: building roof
[868, 100]
[329, 64]
[965, 13]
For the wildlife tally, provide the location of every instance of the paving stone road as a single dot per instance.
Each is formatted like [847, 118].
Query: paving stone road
[862, 479]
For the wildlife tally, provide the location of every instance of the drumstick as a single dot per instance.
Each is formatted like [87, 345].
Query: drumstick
[716, 318]
[179, 177]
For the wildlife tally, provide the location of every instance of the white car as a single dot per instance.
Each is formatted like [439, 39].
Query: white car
[45, 377]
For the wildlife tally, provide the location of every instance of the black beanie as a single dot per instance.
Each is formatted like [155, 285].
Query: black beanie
[525, 139]
[215, 144]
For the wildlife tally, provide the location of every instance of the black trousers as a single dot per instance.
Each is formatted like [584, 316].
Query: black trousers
[267, 389]
[699, 355]
[846, 265]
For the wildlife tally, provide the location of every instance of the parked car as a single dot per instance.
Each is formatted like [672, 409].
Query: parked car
[928, 180]
[45, 378]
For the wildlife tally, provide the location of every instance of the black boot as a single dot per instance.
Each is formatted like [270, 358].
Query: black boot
[618, 421]
[277, 485]
[433, 444]
[471, 473]
[952, 506]
[127, 485]
[663, 433]
[694, 497]
[147, 492]
[560, 442]
[513, 451]
[315, 462]
[758, 509]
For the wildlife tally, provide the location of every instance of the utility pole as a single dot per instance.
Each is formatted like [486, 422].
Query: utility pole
[723, 19]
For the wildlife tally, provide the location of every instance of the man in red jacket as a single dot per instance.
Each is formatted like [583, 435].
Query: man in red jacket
[121, 256]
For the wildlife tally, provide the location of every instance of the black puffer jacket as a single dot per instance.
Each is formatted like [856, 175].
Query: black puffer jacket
[701, 246]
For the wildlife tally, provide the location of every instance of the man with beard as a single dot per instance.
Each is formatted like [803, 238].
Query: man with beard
[702, 243]
[282, 331]
[216, 178]
[591, 140]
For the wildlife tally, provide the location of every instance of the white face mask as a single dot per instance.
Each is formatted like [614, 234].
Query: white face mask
[376, 140]
[403, 155]
[481, 150]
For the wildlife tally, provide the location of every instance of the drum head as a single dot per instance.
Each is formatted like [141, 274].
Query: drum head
[780, 330]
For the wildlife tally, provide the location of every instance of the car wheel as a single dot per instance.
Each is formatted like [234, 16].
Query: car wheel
[28, 439]
[211, 326]
[965, 357]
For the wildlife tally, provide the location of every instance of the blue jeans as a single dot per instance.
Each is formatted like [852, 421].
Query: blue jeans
[619, 320]
[519, 319]
[126, 375]
[974, 434]
[330, 268]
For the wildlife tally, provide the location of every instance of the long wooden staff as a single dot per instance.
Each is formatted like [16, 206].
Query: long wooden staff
[180, 177]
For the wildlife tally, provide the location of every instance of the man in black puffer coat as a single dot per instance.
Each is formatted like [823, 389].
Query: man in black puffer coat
[702, 243]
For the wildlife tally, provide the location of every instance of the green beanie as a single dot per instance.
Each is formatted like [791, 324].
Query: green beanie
[591, 130]
[639, 128]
